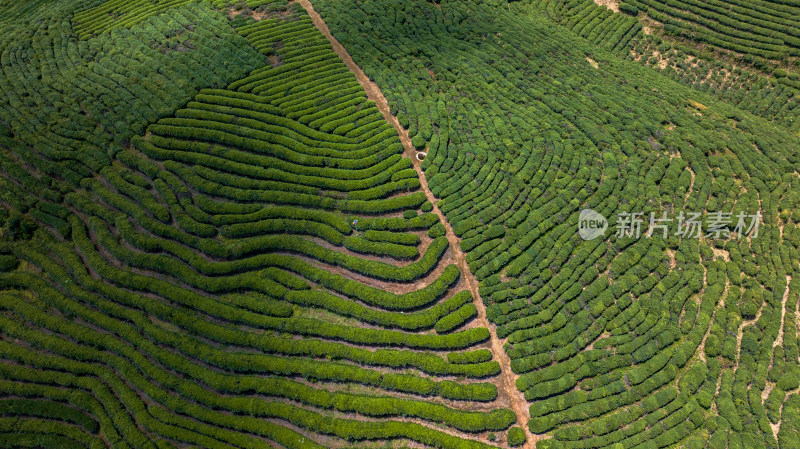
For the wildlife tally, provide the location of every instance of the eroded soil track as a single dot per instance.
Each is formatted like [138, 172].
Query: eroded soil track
[507, 385]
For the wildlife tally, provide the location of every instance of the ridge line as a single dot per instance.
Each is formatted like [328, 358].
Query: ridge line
[507, 377]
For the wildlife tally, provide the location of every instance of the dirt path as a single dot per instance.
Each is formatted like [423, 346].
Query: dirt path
[779, 339]
[372, 90]
[778, 342]
[507, 385]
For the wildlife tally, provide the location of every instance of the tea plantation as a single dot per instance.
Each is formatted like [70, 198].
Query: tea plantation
[355, 224]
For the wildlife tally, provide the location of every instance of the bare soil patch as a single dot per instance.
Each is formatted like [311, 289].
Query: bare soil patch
[662, 61]
[258, 16]
[610, 4]
[721, 253]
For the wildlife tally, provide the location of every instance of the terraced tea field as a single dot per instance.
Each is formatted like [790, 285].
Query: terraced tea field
[359, 224]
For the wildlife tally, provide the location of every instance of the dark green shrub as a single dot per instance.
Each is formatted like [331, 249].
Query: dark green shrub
[515, 437]
[418, 141]
[409, 214]
[628, 9]
[8, 262]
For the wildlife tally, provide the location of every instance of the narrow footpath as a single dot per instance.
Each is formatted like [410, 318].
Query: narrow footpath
[507, 377]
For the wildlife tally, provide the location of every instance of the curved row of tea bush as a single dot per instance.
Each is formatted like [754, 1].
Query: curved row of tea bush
[254, 269]
[82, 99]
[617, 342]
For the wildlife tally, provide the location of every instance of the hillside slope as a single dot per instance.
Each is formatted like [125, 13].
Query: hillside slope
[212, 233]
[255, 268]
[645, 342]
